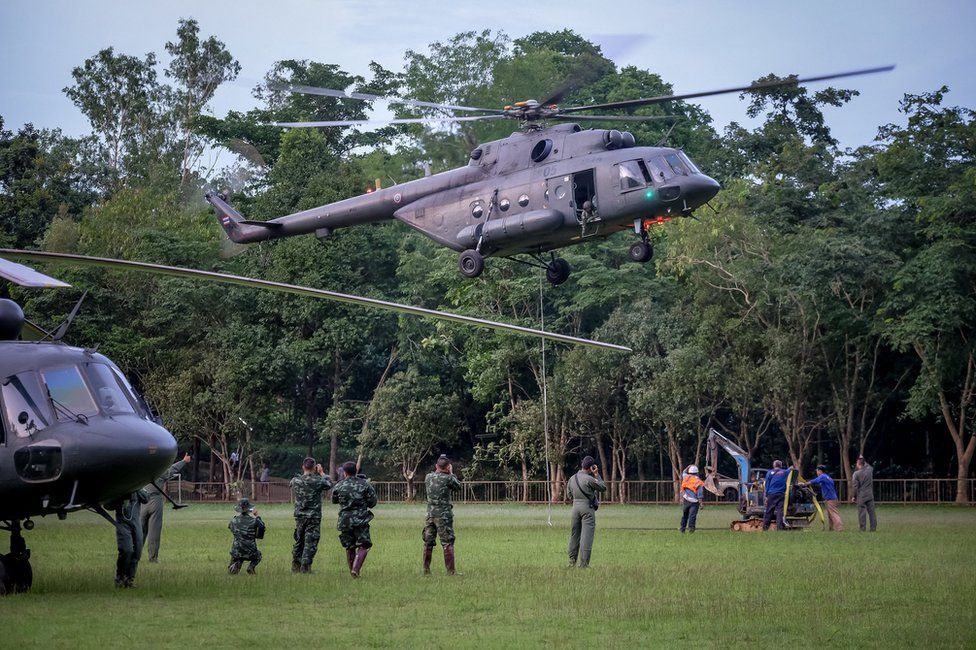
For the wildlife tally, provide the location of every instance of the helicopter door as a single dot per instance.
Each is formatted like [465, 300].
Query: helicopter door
[584, 191]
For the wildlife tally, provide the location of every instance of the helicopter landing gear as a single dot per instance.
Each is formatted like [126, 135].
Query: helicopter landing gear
[16, 575]
[471, 263]
[641, 251]
[557, 271]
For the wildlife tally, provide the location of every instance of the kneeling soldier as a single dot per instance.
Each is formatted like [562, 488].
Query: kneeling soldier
[440, 484]
[246, 530]
[355, 497]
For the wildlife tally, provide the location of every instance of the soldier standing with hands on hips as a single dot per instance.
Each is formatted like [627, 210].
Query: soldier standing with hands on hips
[308, 489]
[583, 488]
[441, 484]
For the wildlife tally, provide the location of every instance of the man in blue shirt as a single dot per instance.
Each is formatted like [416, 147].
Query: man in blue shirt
[828, 494]
[775, 493]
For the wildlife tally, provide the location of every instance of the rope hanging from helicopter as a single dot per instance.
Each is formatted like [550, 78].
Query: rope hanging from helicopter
[545, 403]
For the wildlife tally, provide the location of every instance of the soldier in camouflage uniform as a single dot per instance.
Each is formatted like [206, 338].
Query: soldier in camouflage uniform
[128, 537]
[246, 531]
[441, 484]
[355, 497]
[307, 490]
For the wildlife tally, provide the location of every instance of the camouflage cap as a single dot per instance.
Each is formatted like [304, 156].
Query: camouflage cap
[244, 505]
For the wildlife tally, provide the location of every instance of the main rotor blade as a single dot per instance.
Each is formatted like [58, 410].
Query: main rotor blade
[195, 274]
[405, 120]
[633, 103]
[25, 276]
[619, 118]
[367, 97]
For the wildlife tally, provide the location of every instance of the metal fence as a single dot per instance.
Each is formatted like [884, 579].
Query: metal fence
[911, 490]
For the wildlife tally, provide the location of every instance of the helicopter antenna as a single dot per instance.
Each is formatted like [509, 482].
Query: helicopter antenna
[66, 325]
[667, 135]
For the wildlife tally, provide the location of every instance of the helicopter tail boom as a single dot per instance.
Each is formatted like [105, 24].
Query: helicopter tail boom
[239, 229]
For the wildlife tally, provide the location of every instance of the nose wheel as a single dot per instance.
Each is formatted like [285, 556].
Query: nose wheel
[16, 574]
[471, 263]
[557, 271]
[641, 252]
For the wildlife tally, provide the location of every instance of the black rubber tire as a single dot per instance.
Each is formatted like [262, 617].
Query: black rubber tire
[641, 252]
[471, 263]
[16, 575]
[557, 271]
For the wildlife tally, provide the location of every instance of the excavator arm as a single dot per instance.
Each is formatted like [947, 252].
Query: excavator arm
[715, 441]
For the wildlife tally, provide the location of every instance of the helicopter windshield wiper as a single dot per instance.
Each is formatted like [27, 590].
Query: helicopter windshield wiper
[61, 408]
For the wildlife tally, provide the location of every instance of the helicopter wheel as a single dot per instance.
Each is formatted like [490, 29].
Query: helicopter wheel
[557, 271]
[641, 252]
[471, 263]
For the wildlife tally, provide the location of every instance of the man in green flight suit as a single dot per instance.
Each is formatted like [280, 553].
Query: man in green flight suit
[128, 537]
[441, 484]
[355, 496]
[307, 490]
[246, 531]
[583, 488]
[151, 515]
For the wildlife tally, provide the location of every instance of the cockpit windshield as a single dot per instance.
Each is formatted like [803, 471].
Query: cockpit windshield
[108, 391]
[68, 392]
[25, 404]
[691, 166]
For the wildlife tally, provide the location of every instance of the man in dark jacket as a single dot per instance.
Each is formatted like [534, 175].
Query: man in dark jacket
[864, 494]
[775, 493]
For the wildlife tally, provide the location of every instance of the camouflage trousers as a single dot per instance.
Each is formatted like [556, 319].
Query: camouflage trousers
[355, 536]
[439, 526]
[307, 533]
[245, 551]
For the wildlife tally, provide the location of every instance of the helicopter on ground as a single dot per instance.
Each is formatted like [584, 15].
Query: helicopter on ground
[74, 433]
[541, 189]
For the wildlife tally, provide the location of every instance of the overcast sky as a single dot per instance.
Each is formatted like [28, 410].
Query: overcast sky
[695, 45]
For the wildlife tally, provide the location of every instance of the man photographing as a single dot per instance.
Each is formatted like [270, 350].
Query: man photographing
[583, 488]
[308, 489]
[441, 484]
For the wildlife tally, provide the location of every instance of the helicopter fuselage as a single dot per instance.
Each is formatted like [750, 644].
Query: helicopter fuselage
[73, 433]
[534, 191]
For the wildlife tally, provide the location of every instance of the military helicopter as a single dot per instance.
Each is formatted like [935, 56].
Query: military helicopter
[541, 189]
[74, 433]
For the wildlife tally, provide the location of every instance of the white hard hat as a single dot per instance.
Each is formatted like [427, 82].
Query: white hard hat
[693, 469]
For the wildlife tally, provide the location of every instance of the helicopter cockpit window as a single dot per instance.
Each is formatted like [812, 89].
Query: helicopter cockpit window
[141, 407]
[107, 390]
[687, 161]
[660, 170]
[68, 393]
[676, 164]
[631, 176]
[24, 403]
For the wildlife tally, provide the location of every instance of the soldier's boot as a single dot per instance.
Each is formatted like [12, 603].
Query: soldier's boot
[428, 554]
[449, 560]
[252, 567]
[234, 567]
[296, 566]
[119, 580]
[305, 568]
[357, 565]
[350, 557]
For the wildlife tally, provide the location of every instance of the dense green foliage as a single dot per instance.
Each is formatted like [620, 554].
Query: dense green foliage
[826, 307]
[647, 585]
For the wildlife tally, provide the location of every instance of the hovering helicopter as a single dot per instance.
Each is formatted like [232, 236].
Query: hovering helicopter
[541, 189]
[74, 434]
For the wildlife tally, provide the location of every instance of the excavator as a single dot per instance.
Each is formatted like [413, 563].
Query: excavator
[748, 488]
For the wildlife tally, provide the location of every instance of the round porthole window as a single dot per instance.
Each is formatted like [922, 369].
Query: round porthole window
[560, 192]
[477, 210]
[524, 200]
[504, 204]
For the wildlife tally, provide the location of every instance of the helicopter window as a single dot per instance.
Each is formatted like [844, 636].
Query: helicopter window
[504, 205]
[24, 402]
[690, 165]
[676, 164]
[110, 396]
[660, 170]
[477, 209]
[141, 407]
[631, 177]
[68, 392]
[524, 200]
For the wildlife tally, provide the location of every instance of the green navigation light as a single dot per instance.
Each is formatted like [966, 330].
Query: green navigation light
[649, 194]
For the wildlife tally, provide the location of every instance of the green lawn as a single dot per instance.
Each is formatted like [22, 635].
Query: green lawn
[913, 583]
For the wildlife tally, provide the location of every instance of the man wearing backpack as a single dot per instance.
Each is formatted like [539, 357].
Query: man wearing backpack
[583, 488]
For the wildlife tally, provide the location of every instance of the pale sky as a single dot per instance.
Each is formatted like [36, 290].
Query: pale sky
[695, 45]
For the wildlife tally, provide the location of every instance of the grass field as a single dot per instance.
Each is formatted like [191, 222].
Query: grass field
[913, 583]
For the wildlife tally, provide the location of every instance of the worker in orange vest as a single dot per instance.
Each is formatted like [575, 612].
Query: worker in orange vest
[692, 493]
